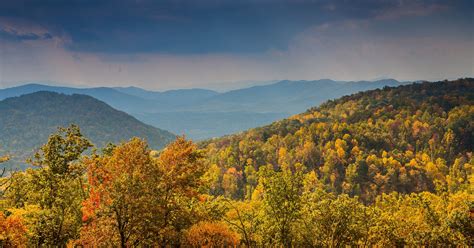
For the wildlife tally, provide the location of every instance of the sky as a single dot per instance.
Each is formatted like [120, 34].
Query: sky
[223, 43]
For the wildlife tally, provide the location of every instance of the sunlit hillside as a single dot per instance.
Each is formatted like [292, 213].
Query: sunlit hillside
[389, 167]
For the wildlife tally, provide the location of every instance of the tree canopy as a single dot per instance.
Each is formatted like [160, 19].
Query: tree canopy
[390, 167]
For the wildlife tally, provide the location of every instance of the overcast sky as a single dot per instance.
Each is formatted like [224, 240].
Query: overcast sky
[182, 44]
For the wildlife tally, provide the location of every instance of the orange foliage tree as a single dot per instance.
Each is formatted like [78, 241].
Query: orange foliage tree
[135, 199]
[12, 231]
[118, 194]
[211, 234]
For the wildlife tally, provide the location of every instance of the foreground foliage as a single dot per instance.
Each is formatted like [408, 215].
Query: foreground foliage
[389, 167]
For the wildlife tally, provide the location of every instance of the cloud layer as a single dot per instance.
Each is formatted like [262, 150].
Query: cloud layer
[174, 44]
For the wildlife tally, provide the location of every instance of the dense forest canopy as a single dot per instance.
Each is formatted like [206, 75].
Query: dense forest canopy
[404, 139]
[389, 167]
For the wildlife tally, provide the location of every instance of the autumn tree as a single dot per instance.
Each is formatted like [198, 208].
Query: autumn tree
[332, 221]
[3, 181]
[12, 231]
[281, 203]
[245, 217]
[181, 169]
[210, 234]
[129, 188]
[55, 187]
[423, 219]
[119, 194]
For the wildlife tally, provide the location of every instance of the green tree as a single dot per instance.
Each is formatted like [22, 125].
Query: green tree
[281, 203]
[56, 188]
[332, 221]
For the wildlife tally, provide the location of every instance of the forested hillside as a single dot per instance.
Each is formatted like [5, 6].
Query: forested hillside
[406, 139]
[383, 168]
[27, 121]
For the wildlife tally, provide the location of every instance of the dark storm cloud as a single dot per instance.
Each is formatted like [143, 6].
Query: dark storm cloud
[20, 37]
[183, 27]
[173, 44]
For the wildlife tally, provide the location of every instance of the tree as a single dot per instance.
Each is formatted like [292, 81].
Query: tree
[3, 182]
[332, 221]
[210, 234]
[181, 168]
[12, 231]
[245, 218]
[129, 188]
[120, 195]
[231, 181]
[56, 188]
[281, 203]
[423, 219]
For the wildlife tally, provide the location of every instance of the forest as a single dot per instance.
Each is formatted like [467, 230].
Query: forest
[391, 167]
[27, 121]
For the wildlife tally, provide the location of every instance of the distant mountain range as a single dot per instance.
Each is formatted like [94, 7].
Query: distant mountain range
[28, 120]
[201, 113]
[289, 97]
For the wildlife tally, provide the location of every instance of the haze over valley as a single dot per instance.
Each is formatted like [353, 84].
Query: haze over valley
[201, 114]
